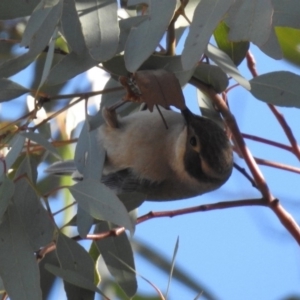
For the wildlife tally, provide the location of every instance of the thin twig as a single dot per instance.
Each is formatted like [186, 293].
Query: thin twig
[244, 172]
[280, 118]
[231, 123]
[85, 95]
[266, 141]
[201, 208]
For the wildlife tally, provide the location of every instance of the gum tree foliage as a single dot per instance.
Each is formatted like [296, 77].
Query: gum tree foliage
[65, 38]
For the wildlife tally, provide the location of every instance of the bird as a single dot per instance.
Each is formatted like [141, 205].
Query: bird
[190, 157]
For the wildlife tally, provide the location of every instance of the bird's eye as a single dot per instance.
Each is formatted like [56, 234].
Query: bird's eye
[193, 141]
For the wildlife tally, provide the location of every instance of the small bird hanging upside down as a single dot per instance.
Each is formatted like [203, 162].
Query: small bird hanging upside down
[191, 157]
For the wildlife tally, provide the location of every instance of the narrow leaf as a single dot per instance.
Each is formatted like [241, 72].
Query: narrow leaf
[250, 21]
[100, 27]
[73, 278]
[226, 64]
[7, 188]
[16, 145]
[206, 18]
[279, 88]
[143, 39]
[10, 90]
[18, 266]
[39, 139]
[71, 27]
[73, 257]
[235, 50]
[100, 202]
[36, 222]
[118, 246]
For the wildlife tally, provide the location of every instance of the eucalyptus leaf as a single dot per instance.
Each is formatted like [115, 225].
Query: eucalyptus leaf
[279, 88]
[37, 37]
[71, 27]
[289, 40]
[73, 257]
[286, 13]
[235, 50]
[11, 9]
[70, 66]
[100, 27]
[144, 39]
[39, 139]
[100, 202]
[118, 246]
[213, 76]
[206, 17]
[125, 27]
[73, 278]
[250, 21]
[7, 188]
[84, 222]
[10, 90]
[18, 266]
[16, 144]
[227, 65]
[36, 222]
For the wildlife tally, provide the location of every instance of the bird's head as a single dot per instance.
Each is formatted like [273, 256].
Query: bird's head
[208, 153]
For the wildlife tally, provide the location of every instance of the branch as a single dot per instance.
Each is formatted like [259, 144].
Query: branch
[280, 118]
[231, 123]
[171, 39]
[201, 208]
[266, 141]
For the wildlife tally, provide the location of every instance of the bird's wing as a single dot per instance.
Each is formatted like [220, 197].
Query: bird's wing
[125, 181]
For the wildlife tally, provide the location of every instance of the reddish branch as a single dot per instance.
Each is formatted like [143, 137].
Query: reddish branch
[267, 199]
[280, 118]
[266, 141]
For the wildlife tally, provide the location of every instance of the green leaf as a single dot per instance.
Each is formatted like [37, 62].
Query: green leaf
[100, 27]
[213, 76]
[84, 222]
[125, 27]
[100, 202]
[11, 9]
[73, 257]
[235, 50]
[18, 265]
[39, 139]
[144, 39]
[289, 40]
[7, 188]
[207, 15]
[73, 278]
[70, 66]
[286, 13]
[227, 65]
[250, 21]
[89, 154]
[37, 37]
[118, 246]
[71, 27]
[16, 144]
[10, 90]
[36, 222]
[279, 88]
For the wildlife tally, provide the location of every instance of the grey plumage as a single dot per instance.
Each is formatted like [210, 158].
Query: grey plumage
[143, 156]
[193, 156]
